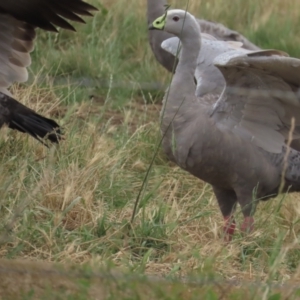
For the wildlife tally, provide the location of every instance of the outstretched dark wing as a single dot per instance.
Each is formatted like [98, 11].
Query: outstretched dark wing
[17, 116]
[47, 14]
[18, 20]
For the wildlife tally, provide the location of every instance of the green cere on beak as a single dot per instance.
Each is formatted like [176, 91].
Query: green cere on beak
[159, 23]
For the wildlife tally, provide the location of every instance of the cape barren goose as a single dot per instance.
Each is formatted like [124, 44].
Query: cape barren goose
[18, 20]
[239, 144]
[156, 8]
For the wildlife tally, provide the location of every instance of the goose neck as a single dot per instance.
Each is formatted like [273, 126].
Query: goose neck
[155, 8]
[183, 79]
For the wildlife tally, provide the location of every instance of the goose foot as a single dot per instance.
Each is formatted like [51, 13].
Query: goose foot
[248, 225]
[229, 228]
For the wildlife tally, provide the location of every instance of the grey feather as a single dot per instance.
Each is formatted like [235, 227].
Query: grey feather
[267, 117]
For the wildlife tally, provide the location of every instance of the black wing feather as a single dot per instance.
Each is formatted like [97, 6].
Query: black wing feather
[19, 117]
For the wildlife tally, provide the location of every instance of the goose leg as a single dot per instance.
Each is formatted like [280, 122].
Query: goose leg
[227, 201]
[248, 208]
[248, 224]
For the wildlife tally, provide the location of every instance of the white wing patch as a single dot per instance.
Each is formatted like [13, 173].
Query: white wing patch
[171, 45]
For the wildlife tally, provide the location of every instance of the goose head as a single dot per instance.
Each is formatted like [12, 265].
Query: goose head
[175, 21]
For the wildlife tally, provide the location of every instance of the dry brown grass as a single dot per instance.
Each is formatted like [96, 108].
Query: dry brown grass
[72, 204]
[54, 281]
[66, 195]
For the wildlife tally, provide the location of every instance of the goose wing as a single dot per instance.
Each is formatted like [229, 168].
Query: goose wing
[261, 97]
[47, 14]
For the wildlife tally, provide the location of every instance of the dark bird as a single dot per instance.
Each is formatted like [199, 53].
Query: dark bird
[18, 21]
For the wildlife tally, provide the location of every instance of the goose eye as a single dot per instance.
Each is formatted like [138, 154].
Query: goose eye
[175, 18]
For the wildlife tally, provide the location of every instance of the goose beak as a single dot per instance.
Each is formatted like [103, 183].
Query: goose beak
[151, 27]
[159, 23]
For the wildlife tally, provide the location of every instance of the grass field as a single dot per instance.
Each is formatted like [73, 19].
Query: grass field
[72, 204]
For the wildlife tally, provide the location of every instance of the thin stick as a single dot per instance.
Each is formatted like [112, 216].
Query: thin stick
[286, 155]
[137, 200]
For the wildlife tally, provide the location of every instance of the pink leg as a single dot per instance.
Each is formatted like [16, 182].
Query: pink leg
[248, 225]
[229, 228]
